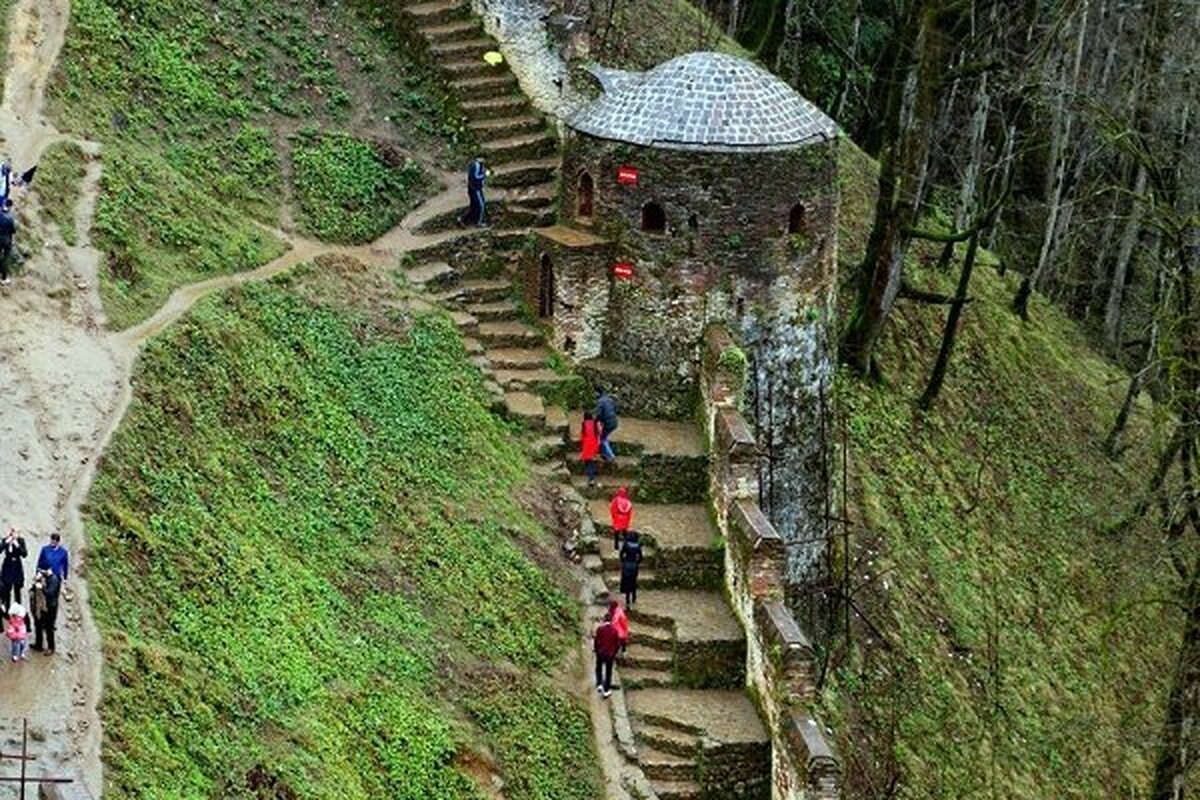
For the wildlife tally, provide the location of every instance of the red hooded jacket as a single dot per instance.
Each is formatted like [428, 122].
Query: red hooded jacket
[621, 509]
[608, 641]
[589, 440]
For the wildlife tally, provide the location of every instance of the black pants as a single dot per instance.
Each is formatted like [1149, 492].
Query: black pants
[44, 625]
[8, 593]
[604, 667]
[5, 255]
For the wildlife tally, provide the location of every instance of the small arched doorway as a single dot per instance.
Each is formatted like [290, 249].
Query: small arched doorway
[585, 196]
[797, 219]
[545, 287]
[654, 219]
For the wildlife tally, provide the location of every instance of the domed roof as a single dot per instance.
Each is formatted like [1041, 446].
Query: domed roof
[703, 101]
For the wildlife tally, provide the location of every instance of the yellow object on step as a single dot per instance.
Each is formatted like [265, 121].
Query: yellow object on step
[493, 57]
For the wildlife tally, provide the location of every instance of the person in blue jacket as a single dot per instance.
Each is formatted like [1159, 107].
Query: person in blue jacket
[54, 558]
[476, 176]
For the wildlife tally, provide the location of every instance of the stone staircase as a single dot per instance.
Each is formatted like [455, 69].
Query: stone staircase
[518, 147]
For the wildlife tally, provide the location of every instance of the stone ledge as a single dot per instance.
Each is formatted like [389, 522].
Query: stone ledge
[751, 524]
[779, 627]
[64, 791]
[735, 436]
[810, 748]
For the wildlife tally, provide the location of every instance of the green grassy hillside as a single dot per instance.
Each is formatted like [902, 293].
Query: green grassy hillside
[1027, 649]
[313, 564]
[195, 103]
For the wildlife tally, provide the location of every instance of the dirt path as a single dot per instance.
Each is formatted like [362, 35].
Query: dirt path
[65, 384]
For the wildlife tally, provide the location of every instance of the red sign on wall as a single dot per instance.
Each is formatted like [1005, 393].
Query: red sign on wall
[623, 271]
[627, 175]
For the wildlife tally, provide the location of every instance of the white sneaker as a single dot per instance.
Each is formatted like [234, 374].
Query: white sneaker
[600, 688]
[607, 693]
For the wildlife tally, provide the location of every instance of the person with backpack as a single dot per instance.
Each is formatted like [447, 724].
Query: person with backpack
[8, 230]
[589, 446]
[621, 512]
[43, 601]
[606, 643]
[631, 561]
[606, 415]
[620, 621]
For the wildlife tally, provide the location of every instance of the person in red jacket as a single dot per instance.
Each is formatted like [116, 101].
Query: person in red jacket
[621, 511]
[620, 621]
[606, 644]
[589, 446]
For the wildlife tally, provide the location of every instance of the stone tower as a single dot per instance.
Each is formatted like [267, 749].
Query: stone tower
[703, 192]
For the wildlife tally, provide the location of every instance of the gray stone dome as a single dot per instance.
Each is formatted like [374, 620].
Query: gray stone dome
[703, 101]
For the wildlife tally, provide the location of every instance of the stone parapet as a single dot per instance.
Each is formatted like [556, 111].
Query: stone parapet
[780, 668]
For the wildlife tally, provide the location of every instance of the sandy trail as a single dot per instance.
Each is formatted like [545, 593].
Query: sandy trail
[65, 381]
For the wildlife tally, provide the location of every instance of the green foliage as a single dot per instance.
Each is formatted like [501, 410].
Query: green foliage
[544, 739]
[188, 98]
[641, 35]
[160, 233]
[306, 520]
[346, 188]
[1028, 646]
[60, 173]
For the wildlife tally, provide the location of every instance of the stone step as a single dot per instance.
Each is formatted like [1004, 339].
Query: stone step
[519, 358]
[611, 561]
[461, 67]
[591, 562]
[508, 334]
[495, 310]
[641, 657]
[605, 485]
[432, 273]
[547, 447]
[538, 195]
[528, 172]
[521, 147]
[484, 290]
[499, 127]
[453, 31]
[551, 470]
[532, 379]
[438, 12]
[650, 636]
[624, 466]
[556, 421]
[507, 106]
[487, 86]
[474, 46]
[676, 790]
[466, 324]
[648, 580]
[667, 740]
[474, 347]
[644, 436]
[663, 766]
[525, 408]
[645, 678]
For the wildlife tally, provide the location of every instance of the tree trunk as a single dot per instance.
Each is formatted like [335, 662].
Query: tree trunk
[1183, 711]
[938, 376]
[912, 106]
[1116, 288]
[787, 58]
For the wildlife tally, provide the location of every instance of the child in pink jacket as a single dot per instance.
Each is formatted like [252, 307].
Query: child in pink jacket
[15, 631]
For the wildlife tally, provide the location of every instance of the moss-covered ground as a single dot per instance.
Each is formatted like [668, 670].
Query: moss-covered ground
[58, 181]
[1027, 649]
[194, 103]
[313, 563]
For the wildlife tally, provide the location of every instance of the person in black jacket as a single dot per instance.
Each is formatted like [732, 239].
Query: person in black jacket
[606, 415]
[44, 604]
[12, 567]
[631, 560]
[8, 229]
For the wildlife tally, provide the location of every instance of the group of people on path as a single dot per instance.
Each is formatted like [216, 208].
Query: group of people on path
[611, 636]
[53, 569]
[8, 226]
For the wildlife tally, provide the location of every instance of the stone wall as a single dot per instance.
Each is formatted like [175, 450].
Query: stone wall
[779, 658]
[725, 254]
[581, 289]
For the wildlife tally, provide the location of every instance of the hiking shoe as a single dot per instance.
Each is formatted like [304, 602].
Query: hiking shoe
[607, 693]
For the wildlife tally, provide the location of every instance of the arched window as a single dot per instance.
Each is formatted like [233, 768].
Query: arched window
[654, 219]
[797, 219]
[545, 287]
[584, 196]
